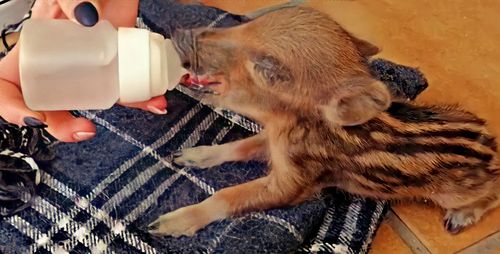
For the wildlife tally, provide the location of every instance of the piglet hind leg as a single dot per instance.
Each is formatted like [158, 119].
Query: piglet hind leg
[210, 156]
[257, 195]
[457, 219]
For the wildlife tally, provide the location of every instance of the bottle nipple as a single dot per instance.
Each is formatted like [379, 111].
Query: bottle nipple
[148, 65]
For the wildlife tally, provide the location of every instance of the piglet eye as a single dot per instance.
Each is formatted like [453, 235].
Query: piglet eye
[186, 65]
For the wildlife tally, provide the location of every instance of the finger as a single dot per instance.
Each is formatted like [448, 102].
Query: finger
[67, 128]
[62, 125]
[121, 13]
[9, 66]
[157, 105]
[85, 12]
[46, 9]
[14, 110]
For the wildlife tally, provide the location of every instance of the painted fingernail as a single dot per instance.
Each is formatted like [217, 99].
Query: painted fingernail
[157, 110]
[33, 122]
[80, 136]
[86, 14]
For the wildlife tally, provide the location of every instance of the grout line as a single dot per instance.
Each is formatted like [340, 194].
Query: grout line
[405, 233]
[488, 245]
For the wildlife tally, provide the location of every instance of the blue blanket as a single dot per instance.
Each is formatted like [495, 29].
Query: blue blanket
[101, 194]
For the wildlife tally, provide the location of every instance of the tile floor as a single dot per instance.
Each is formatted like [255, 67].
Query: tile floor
[418, 229]
[455, 44]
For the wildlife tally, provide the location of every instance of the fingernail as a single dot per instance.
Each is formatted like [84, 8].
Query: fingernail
[86, 14]
[157, 110]
[33, 122]
[83, 135]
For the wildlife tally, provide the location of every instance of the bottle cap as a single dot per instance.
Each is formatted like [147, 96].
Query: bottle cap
[148, 65]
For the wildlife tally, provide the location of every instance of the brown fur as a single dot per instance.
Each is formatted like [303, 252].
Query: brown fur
[327, 122]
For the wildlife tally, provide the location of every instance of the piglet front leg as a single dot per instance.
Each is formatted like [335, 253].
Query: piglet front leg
[209, 156]
[257, 195]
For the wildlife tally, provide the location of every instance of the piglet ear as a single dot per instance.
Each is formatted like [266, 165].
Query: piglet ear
[357, 101]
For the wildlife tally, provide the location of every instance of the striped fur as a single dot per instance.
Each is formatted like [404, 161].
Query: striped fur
[396, 155]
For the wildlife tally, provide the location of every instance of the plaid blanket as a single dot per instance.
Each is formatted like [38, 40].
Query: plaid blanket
[99, 196]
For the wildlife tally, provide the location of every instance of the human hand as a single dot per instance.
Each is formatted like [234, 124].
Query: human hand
[61, 124]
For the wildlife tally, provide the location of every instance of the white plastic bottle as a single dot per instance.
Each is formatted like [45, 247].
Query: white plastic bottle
[65, 66]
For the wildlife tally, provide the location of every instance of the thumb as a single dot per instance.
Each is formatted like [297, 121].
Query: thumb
[85, 12]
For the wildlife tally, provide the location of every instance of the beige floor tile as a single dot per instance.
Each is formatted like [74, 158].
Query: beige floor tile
[490, 245]
[388, 241]
[427, 224]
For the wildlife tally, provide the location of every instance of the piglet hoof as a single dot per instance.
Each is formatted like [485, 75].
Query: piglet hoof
[455, 221]
[199, 157]
[184, 221]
